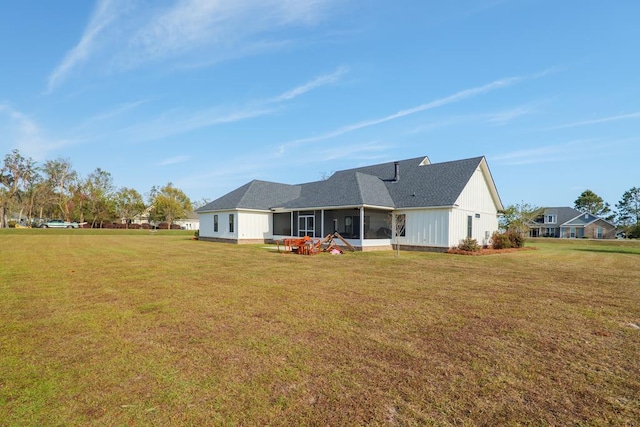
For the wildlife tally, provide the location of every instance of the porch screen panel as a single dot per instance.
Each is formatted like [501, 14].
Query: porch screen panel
[282, 224]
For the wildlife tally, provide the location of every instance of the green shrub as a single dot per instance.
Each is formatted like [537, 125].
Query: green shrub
[634, 232]
[500, 240]
[516, 239]
[469, 244]
[197, 234]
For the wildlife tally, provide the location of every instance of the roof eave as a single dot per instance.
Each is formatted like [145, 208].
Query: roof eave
[326, 208]
[484, 166]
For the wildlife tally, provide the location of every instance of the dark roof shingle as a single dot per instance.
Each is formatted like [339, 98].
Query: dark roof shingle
[420, 184]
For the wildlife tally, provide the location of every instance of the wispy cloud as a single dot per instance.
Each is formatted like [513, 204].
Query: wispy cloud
[174, 160]
[107, 115]
[629, 116]
[189, 25]
[127, 34]
[506, 116]
[29, 137]
[575, 150]
[543, 154]
[456, 97]
[177, 122]
[104, 14]
[323, 80]
[497, 118]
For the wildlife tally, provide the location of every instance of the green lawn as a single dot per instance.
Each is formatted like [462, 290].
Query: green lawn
[113, 327]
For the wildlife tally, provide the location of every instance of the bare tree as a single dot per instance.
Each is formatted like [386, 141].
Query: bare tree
[326, 175]
[397, 224]
[61, 178]
[200, 203]
[15, 173]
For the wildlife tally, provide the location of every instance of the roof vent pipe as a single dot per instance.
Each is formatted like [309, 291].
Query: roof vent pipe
[396, 176]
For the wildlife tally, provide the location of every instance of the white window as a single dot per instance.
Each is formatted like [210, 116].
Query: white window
[401, 225]
[550, 219]
[306, 225]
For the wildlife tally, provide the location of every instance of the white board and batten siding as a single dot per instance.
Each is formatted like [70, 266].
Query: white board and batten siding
[206, 224]
[248, 225]
[446, 227]
[477, 202]
[254, 225]
[207, 228]
[426, 227]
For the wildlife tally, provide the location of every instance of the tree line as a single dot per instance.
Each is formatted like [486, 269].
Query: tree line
[54, 190]
[626, 215]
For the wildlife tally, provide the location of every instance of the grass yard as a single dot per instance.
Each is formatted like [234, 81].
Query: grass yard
[139, 328]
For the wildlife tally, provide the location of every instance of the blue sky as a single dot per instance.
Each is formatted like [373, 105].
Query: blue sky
[210, 94]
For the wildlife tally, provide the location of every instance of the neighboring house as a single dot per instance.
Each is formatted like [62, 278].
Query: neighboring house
[564, 222]
[441, 205]
[142, 218]
[191, 222]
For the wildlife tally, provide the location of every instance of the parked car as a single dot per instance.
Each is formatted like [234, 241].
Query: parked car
[58, 223]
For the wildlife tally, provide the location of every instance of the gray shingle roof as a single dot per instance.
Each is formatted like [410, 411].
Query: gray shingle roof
[343, 188]
[566, 216]
[419, 185]
[563, 214]
[436, 184]
[262, 195]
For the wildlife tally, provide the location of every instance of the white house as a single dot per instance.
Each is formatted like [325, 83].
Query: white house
[441, 204]
[191, 222]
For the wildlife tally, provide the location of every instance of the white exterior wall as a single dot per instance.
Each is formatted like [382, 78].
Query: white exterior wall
[428, 227]
[254, 225]
[188, 224]
[247, 225]
[372, 243]
[474, 199]
[206, 225]
[482, 228]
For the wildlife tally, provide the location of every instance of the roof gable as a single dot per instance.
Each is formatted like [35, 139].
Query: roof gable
[424, 184]
[581, 219]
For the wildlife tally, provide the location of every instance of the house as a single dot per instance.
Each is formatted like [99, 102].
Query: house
[191, 222]
[440, 205]
[565, 222]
